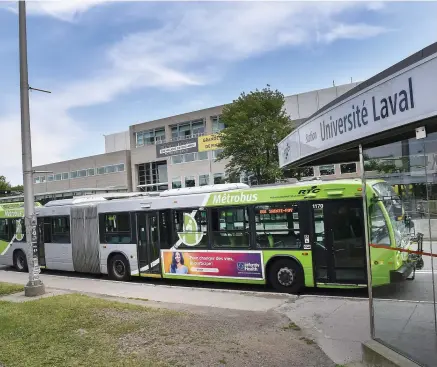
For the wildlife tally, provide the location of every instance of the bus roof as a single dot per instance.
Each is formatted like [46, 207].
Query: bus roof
[13, 210]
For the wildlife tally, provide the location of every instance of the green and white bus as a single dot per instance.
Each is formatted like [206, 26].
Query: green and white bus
[13, 235]
[309, 234]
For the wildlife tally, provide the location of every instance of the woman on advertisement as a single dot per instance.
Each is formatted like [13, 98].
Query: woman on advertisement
[177, 265]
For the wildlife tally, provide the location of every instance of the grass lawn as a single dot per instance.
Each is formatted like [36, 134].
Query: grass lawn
[8, 288]
[71, 330]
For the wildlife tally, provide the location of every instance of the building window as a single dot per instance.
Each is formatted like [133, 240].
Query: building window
[36, 180]
[120, 167]
[217, 125]
[100, 170]
[65, 176]
[153, 176]
[91, 171]
[190, 157]
[218, 178]
[82, 173]
[58, 177]
[187, 130]
[215, 153]
[327, 170]
[176, 183]
[348, 168]
[230, 227]
[109, 169]
[116, 228]
[203, 180]
[150, 137]
[190, 181]
[50, 178]
[73, 174]
[176, 159]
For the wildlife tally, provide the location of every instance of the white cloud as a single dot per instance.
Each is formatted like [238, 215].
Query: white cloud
[352, 31]
[193, 45]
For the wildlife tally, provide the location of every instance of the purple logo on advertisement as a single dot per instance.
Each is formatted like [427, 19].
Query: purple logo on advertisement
[244, 266]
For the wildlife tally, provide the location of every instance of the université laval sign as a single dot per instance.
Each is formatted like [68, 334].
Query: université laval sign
[404, 97]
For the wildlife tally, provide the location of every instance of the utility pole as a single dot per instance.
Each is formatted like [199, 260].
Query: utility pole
[34, 287]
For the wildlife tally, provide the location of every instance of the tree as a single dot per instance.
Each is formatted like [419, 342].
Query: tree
[7, 189]
[255, 124]
[4, 185]
[17, 188]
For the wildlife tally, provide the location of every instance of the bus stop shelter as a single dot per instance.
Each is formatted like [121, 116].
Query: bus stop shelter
[388, 124]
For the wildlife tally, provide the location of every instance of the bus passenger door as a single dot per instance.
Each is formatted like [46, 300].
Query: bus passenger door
[339, 244]
[40, 242]
[148, 243]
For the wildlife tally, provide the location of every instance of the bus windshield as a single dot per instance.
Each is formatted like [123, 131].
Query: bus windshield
[392, 203]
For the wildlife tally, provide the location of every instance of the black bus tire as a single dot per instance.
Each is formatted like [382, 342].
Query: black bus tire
[20, 261]
[118, 268]
[286, 276]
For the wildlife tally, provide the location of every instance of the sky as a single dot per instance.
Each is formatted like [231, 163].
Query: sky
[113, 64]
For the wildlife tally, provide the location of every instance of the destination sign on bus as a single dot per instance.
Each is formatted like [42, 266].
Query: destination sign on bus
[276, 211]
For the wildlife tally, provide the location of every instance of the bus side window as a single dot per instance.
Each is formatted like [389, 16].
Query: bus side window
[117, 228]
[60, 229]
[4, 230]
[230, 227]
[190, 227]
[277, 226]
[47, 230]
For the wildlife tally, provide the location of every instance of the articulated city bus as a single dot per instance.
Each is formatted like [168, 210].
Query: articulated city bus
[309, 234]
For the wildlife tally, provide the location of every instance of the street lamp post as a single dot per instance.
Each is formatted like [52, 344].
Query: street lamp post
[35, 286]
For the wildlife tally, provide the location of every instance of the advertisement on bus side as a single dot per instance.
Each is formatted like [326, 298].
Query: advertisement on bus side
[217, 264]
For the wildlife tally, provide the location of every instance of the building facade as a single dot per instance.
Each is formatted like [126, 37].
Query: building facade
[172, 152]
[109, 172]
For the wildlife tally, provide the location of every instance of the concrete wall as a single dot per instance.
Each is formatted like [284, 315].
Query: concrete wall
[117, 142]
[303, 105]
[116, 179]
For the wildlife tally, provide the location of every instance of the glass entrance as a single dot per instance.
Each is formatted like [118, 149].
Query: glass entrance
[148, 243]
[338, 242]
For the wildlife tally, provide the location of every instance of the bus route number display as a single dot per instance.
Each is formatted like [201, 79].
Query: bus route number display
[276, 211]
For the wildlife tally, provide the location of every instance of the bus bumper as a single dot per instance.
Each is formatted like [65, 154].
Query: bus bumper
[402, 273]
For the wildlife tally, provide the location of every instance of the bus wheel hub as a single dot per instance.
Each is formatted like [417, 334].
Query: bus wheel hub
[119, 267]
[285, 277]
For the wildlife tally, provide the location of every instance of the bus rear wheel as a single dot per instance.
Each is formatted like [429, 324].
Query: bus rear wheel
[119, 268]
[286, 276]
[20, 261]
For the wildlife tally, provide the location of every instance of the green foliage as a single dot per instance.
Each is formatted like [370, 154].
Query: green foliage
[8, 288]
[7, 189]
[4, 185]
[255, 124]
[17, 188]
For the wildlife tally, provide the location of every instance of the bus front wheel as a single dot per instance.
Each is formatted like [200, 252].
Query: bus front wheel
[20, 261]
[286, 276]
[119, 268]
